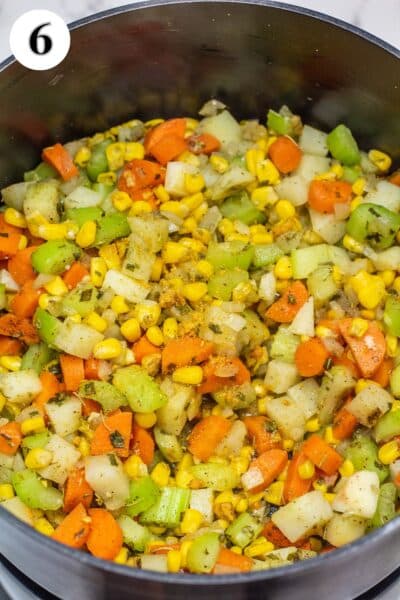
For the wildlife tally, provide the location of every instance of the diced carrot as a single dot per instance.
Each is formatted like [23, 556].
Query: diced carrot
[344, 424]
[203, 143]
[395, 178]
[368, 350]
[213, 382]
[231, 562]
[142, 443]
[89, 406]
[74, 275]
[345, 361]
[6, 227]
[139, 175]
[50, 389]
[332, 324]
[168, 148]
[17, 327]
[20, 266]
[96, 369]
[206, 435]
[310, 357]
[77, 490]
[25, 302]
[113, 435]
[10, 438]
[295, 486]
[322, 454]
[262, 436]
[143, 348]
[382, 374]
[285, 154]
[156, 134]
[74, 529]
[9, 243]
[9, 346]
[264, 469]
[324, 194]
[286, 308]
[58, 157]
[105, 537]
[275, 535]
[185, 351]
[72, 370]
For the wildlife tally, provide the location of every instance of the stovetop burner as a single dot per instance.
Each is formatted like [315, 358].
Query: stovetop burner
[14, 585]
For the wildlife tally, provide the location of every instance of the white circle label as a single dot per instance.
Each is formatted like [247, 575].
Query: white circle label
[39, 39]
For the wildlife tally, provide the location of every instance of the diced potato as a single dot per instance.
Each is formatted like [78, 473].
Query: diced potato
[65, 457]
[153, 230]
[64, 415]
[313, 141]
[301, 516]
[370, 404]
[224, 127]
[231, 444]
[303, 323]
[358, 495]
[344, 529]
[293, 188]
[334, 387]
[172, 417]
[312, 165]
[17, 508]
[305, 395]
[175, 177]
[77, 339]
[122, 285]
[106, 476]
[327, 226]
[20, 387]
[202, 500]
[280, 376]
[288, 416]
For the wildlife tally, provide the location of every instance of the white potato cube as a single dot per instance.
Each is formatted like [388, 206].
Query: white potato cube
[301, 516]
[358, 495]
[280, 376]
[344, 529]
[288, 416]
[370, 404]
[107, 477]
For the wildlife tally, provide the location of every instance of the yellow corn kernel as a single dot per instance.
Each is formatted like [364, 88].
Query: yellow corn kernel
[264, 196]
[173, 561]
[107, 349]
[44, 300]
[6, 491]
[96, 321]
[226, 227]
[192, 244]
[254, 229]
[396, 284]
[23, 242]
[283, 268]
[134, 467]
[391, 345]
[194, 183]
[381, 160]
[253, 157]
[285, 209]
[355, 203]
[122, 556]
[140, 207]
[389, 452]
[56, 287]
[242, 505]
[189, 225]
[119, 305]
[153, 123]
[192, 519]
[130, 329]
[188, 375]
[367, 314]
[195, 291]
[38, 458]
[219, 163]
[288, 444]
[358, 186]
[274, 493]
[82, 156]
[146, 420]
[320, 486]
[370, 289]
[337, 170]
[44, 527]
[147, 314]
[387, 276]
[237, 237]
[176, 208]
[347, 468]
[306, 470]
[3, 401]
[358, 327]
[183, 478]
[329, 497]
[14, 217]
[174, 253]
[115, 155]
[52, 231]
[329, 437]
[186, 461]
[313, 425]
[395, 405]
[170, 328]
[110, 254]
[267, 172]
[108, 178]
[98, 270]
[259, 548]
[155, 335]
[193, 201]
[262, 405]
[121, 200]
[133, 150]
[200, 211]
[84, 447]
[263, 238]
[76, 318]
[351, 244]
[362, 383]
[156, 269]
[322, 331]
[33, 424]
[184, 549]
[204, 268]
[161, 193]
[10, 362]
[160, 474]
[312, 237]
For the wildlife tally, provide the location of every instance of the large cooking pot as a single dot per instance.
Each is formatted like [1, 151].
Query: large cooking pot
[167, 58]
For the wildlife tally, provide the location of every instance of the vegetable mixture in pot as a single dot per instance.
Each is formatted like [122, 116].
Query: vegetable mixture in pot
[199, 360]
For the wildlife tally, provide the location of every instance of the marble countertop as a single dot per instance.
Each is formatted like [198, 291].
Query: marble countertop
[380, 17]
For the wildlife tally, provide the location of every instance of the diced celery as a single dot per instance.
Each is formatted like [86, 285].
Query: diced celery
[143, 494]
[306, 260]
[386, 508]
[241, 208]
[103, 189]
[216, 476]
[32, 493]
[110, 228]
[284, 345]
[321, 284]
[343, 146]
[168, 445]
[230, 255]
[168, 508]
[81, 300]
[388, 426]
[142, 391]
[222, 283]
[81, 215]
[47, 326]
[363, 453]
[279, 123]
[54, 256]
[243, 530]
[350, 174]
[135, 535]
[98, 162]
[42, 171]
[42, 197]
[265, 255]
[203, 553]
[36, 357]
[373, 224]
[37, 440]
[104, 393]
[335, 385]
[391, 315]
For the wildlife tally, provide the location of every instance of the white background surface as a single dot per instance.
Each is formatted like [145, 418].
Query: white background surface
[381, 17]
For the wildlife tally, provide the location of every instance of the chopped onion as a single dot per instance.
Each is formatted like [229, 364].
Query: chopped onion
[342, 210]
[8, 281]
[211, 219]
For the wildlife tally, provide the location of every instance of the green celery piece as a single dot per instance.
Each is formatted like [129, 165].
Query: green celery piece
[37, 440]
[42, 171]
[243, 530]
[350, 174]
[395, 382]
[278, 123]
[143, 494]
[135, 535]
[81, 300]
[373, 224]
[103, 189]
[386, 508]
[48, 326]
[203, 553]
[111, 227]
[104, 393]
[241, 208]
[168, 445]
[3, 296]
[98, 162]
[54, 256]
[32, 493]
[387, 427]
[321, 284]
[37, 357]
[363, 453]
[230, 255]
[284, 345]
[222, 283]
[306, 260]
[265, 255]
[168, 508]
[216, 476]
[343, 146]
[391, 315]
[142, 391]
[84, 214]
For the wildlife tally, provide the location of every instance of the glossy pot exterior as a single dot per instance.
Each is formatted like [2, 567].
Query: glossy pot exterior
[167, 58]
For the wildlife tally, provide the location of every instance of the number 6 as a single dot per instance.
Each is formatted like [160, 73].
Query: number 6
[47, 44]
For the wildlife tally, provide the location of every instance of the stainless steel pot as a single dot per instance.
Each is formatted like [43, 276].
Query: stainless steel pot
[167, 58]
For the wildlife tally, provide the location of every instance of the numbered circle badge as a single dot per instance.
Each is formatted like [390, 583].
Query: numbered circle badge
[40, 39]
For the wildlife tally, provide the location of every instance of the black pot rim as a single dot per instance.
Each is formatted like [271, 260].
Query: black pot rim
[306, 567]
